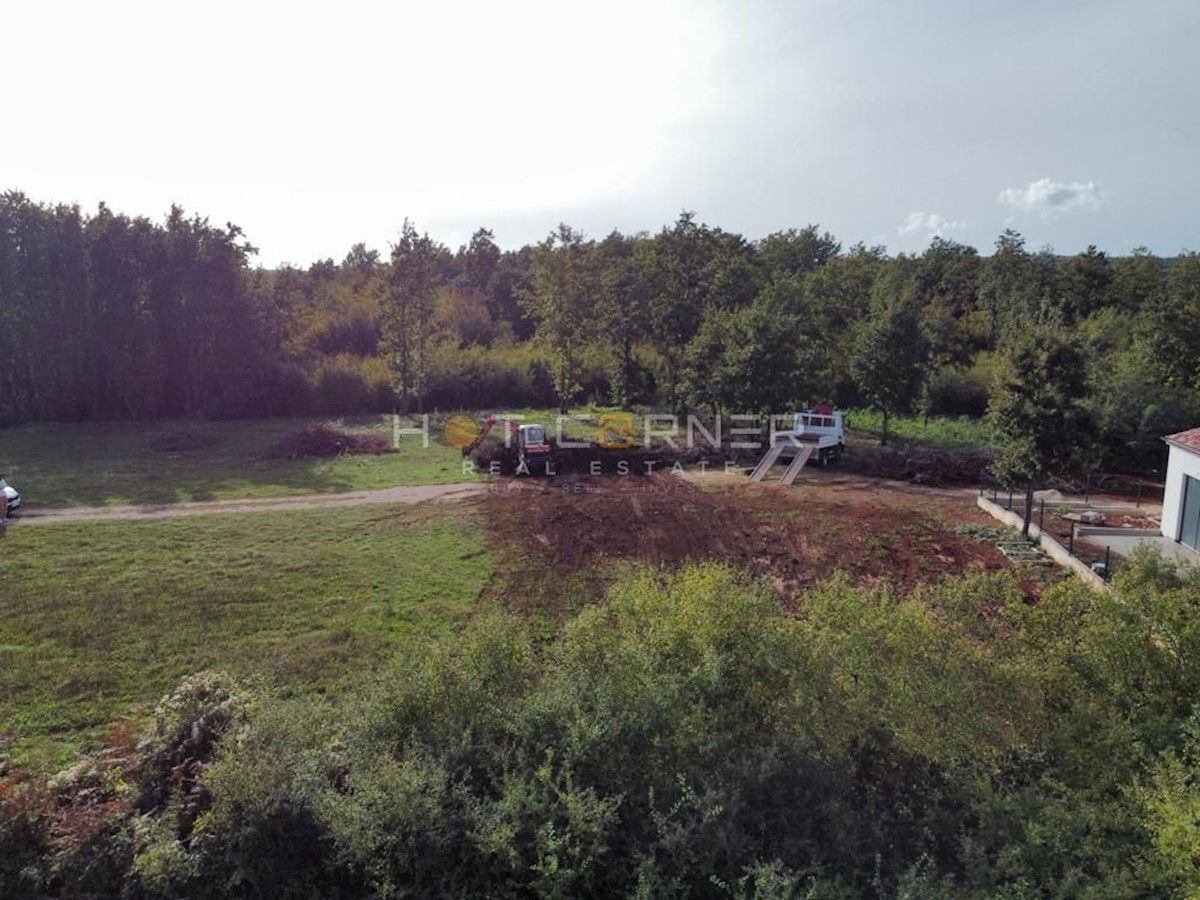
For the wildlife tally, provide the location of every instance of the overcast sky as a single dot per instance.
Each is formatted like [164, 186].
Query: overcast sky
[314, 126]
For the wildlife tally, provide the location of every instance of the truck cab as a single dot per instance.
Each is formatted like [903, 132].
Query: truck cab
[532, 439]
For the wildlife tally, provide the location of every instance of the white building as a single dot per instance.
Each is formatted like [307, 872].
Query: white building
[1181, 499]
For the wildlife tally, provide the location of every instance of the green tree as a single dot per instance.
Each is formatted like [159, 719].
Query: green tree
[561, 302]
[890, 351]
[1174, 321]
[796, 252]
[1038, 411]
[408, 310]
[837, 299]
[676, 268]
[622, 313]
[946, 285]
[1004, 285]
[1138, 281]
[1087, 278]
[762, 358]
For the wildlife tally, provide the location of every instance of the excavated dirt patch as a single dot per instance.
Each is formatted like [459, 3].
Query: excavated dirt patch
[795, 536]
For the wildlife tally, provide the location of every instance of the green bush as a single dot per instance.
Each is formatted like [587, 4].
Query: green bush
[688, 738]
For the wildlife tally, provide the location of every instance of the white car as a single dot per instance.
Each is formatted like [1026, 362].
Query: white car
[12, 499]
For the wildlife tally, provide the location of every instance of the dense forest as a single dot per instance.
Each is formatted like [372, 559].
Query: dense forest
[104, 316]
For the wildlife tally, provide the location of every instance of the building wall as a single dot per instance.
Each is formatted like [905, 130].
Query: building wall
[1179, 463]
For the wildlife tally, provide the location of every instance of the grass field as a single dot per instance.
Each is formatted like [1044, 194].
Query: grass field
[114, 463]
[98, 620]
[942, 432]
[102, 464]
[945, 433]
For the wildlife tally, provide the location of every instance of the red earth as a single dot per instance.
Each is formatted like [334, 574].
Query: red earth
[797, 536]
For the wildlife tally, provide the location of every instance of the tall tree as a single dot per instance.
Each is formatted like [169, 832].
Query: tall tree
[890, 352]
[479, 260]
[408, 308]
[1086, 281]
[1004, 284]
[561, 301]
[762, 358]
[622, 312]
[837, 298]
[675, 265]
[1038, 411]
[1174, 318]
[946, 284]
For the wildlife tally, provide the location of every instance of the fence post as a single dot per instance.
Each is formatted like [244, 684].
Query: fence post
[1071, 546]
[1087, 490]
[1107, 570]
[1042, 516]
[1139, 496]
[1010, 493]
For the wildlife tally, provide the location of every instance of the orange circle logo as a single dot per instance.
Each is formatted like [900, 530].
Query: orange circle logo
[460, 431]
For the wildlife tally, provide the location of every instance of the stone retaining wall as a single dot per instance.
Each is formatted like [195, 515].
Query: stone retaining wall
[1049, 545]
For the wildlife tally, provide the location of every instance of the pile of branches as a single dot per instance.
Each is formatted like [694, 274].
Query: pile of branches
[920, 465]
[1105, 483]
[323, 441]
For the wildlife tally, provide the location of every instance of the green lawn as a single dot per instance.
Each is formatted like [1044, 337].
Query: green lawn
[109, 463]
[98, 620]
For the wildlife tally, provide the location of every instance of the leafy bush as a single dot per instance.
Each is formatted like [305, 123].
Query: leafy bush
[688, 738]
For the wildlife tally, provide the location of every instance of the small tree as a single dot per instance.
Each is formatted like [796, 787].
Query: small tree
[1037, 409]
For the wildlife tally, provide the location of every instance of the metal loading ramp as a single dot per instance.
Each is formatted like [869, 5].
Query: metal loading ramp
[803, 454]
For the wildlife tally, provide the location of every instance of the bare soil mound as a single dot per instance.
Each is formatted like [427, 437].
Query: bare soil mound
[796, 537]
[324, 441]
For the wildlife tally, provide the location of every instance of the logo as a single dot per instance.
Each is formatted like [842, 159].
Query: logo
[460, 431]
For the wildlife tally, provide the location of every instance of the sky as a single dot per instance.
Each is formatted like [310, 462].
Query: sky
[317, 126]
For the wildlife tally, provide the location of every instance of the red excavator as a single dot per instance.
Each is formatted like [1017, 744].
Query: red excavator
[531, 439]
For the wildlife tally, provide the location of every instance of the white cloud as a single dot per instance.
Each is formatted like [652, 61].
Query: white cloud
[930, 223]
[1055, 198]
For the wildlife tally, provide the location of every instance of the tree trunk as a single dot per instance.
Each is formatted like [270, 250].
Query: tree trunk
[883, 440]
[1028, 509]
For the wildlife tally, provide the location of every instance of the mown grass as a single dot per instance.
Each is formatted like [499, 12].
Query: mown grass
[55, 465]
[98, 620]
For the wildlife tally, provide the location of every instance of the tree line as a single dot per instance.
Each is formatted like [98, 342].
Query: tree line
[108, 317]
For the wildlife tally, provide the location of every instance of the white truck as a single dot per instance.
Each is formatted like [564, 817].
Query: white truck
[823, 428]
[819, 433]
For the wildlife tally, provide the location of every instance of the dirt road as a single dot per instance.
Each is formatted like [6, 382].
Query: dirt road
[404, 494]
[445, 492]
